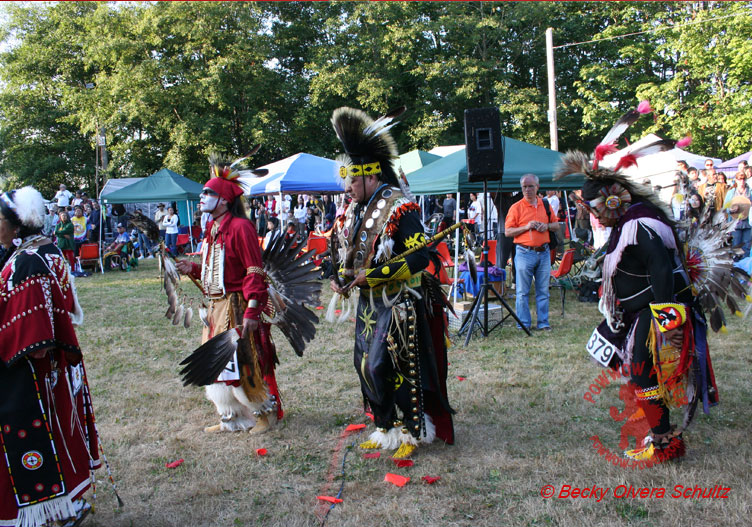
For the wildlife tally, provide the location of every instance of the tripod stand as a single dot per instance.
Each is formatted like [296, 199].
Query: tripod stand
[473, 317]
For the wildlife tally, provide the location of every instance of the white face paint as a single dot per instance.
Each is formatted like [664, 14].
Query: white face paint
[208, 202]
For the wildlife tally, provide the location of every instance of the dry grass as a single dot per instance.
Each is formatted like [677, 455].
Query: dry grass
[521, 423]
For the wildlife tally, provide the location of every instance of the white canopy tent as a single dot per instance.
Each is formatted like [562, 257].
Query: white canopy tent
[658, 168]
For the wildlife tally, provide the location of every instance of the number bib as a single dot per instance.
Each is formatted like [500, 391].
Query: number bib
[231, 371]
[600, 349]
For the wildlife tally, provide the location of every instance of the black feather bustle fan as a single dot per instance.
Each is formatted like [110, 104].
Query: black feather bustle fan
[293, 285]
[366, 141]
[203, 366]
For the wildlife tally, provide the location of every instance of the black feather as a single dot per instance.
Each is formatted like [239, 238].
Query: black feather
[203, 366]
[620, 126]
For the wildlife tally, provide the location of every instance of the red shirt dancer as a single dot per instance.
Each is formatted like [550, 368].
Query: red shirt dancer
[234, 282]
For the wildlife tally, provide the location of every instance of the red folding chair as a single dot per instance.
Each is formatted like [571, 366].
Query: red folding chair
[444, 256]
[558, 274]
[88, 255]
[318, 245]
[492, 252]
[182, 242]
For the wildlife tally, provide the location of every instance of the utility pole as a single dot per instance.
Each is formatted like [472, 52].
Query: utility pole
[551, 90]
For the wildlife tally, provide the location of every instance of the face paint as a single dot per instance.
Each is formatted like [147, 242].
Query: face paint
[208, 201]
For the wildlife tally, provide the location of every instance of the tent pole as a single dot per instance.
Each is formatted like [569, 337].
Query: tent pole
[572, 235]
[456, 243]
[102, 210]
[190, 223]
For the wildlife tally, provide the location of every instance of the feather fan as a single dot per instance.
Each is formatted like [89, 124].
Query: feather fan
[204, 365]
[293, 285]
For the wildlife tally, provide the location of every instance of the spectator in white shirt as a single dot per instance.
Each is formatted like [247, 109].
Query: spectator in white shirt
[553, 201]
[63, 197]
[170, 223]
[300, 211]
[475, 212]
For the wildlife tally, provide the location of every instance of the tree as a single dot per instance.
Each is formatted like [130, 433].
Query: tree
[694, 71]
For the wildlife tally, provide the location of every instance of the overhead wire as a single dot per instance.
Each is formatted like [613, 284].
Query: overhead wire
[646, 31]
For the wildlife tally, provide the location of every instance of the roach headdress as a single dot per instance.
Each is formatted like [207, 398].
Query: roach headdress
[224, 174]
[607, 191]
[369, 147]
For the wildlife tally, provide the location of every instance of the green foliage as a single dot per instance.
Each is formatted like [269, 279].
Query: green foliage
[173, 81]
[695, 72]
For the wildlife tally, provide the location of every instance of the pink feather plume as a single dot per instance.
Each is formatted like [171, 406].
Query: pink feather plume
[644, 107]
[684, 141]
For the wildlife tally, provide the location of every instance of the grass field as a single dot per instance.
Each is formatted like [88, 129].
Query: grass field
[521, 423]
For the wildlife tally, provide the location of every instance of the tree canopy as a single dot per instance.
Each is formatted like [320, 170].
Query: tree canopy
[171, 82]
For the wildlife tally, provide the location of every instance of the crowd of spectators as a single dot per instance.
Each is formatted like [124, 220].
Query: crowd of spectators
[309, 213]
[716, 191]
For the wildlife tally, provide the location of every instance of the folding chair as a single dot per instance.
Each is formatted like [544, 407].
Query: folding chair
[558, 274]
[88, 255]
[317, 244]
[492, 252]
[182, 242]
[444, 256]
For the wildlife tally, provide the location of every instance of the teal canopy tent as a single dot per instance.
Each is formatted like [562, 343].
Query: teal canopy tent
[164, 185]
[415, 159]
[449, 174]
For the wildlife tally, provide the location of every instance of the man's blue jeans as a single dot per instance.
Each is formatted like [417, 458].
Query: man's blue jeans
[531, 264]
[742, 236]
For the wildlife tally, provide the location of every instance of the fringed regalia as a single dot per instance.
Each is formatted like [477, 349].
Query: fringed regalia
[656, 292]
[50, 444]
[643, 267]
[232, 277]
[400, 333]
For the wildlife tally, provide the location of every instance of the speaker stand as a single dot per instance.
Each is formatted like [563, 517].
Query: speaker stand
[473, 317]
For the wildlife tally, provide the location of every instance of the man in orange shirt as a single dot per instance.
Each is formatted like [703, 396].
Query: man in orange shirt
[529, 224]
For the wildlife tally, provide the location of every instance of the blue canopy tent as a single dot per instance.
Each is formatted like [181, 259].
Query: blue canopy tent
[300, 173]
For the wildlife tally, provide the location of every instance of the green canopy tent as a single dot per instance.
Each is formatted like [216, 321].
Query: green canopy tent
[415, 159]
[163, 185]
[449, 174]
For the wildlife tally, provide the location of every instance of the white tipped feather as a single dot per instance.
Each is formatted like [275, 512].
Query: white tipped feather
[170, 270]
[178, 318]
[203, 314]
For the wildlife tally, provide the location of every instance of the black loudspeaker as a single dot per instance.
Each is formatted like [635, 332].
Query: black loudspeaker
[484, 145]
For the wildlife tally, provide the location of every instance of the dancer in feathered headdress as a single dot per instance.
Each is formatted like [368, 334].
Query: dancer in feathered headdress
[237, 359]
[400, 353]
[655, 290]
